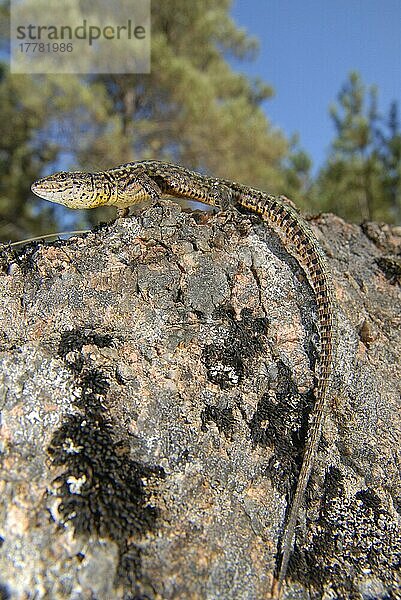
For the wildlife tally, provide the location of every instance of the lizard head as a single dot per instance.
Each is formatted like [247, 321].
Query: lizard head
[75, 189]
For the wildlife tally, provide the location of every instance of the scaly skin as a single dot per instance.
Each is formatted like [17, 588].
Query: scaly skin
[133, 183]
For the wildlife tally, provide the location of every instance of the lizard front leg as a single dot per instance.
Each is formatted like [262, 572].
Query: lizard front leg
[135, 189]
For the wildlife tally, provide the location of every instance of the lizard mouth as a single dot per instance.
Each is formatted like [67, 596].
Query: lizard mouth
[37, 187]
[41, 189]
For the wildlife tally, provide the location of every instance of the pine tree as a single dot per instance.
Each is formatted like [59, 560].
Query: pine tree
[297, 170]
[391, 157]
[21, 160]
[351, 183]
[43, 119]
[193, 108]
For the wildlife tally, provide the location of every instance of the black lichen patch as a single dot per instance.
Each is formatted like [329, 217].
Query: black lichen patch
[94, 381]
[72, 342]
[7, 256]
[222, 417]
[370, 500]
[280, 422]
[333, 485]
[103, 491]
[391, 267]
[227, 362]
[24, 257]
[353, 538]
[274, 409]
[74, 339]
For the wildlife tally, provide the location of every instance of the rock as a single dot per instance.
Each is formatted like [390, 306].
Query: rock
[156, 379]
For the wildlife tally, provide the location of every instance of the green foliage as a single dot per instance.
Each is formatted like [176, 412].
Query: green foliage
[297, 172]
[361, 180]
[21, 160]
[193, 108]
[391, 158]
[43, 120]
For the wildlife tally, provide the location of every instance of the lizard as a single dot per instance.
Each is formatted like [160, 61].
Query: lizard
[141, 181]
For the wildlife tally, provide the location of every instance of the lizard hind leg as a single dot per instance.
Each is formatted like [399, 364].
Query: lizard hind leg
[221, 195]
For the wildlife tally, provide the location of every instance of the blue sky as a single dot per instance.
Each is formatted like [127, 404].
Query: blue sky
[307, 49]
